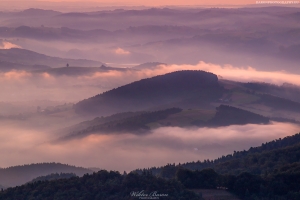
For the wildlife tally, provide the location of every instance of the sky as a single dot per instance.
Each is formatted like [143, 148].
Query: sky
[73, 5]
[173, 2]
[92, 5]
[154, 2]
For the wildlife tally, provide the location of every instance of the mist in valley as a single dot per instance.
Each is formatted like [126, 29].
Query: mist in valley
[78, 55]
[23, 144]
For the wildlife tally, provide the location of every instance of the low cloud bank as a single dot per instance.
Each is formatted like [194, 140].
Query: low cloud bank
[30, 86]
[8, 45]
[129, 151]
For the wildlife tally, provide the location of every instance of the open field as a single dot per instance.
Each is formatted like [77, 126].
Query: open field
[184, 118]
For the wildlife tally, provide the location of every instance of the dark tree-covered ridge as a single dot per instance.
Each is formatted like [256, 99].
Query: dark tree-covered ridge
[133, 123]
[102, 185]
[152, 92]
[269, 158]
[138, 122]
[229, 115]
[18, 175]
[53, 176]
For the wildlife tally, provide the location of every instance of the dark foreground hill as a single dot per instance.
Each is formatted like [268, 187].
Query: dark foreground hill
[267, 159]
[176, 88]
[267, 172]
[280, 180]
[103, 185]
[18, 175]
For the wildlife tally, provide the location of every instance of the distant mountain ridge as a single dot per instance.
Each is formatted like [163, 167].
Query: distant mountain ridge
[18, 175]
[144, 122]
[78, 71]
[16, 58]
[148, 65]
[37, 12]
[172, 88]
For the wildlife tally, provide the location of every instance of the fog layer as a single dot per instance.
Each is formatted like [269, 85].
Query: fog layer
[21, 85]
[164, 145]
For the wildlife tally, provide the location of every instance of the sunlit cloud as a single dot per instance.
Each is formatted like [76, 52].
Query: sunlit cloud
[8, 45]
[15, 75]
[131, 151]
[27, 85]
[121, 51]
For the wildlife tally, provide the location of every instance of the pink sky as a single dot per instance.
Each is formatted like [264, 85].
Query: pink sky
[165, 2]
[92, 5]
[147, 2]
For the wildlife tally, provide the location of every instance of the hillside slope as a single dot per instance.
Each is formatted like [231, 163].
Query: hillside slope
[192, 88]
[18, 175]
[22, 57]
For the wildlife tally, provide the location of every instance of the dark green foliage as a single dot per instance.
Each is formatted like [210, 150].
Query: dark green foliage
[18, 175]
[135, 123]
[283, 186]
[228, 115]
[177, 88]
[287, 91]
[101, 185]
[268, 172]
[168, 171]
[205, 179]
[265, 159]
[246, 184]
[258, 160]
[279, 103]
[53, 176]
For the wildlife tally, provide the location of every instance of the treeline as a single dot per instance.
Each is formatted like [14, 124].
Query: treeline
[18, 175]
[286, 90]
[282, 186]
[279, 102]
[53, 176]
[259, 160]
[228, 115]
[102, 185]
[134, 123]
[265, 159]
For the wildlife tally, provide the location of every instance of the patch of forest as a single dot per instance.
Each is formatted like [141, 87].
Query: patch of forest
[102, 185]
[175, 87]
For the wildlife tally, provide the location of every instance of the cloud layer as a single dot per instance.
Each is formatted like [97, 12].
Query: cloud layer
[8, 45]
[127, 151]
[16, 85]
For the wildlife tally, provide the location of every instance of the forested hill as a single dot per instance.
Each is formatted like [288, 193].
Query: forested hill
[53, 176]
[173, 88]
[265, 159]
[102, 185]
[137, 123]
[229, 115]
[141, 122]
[18, 175]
